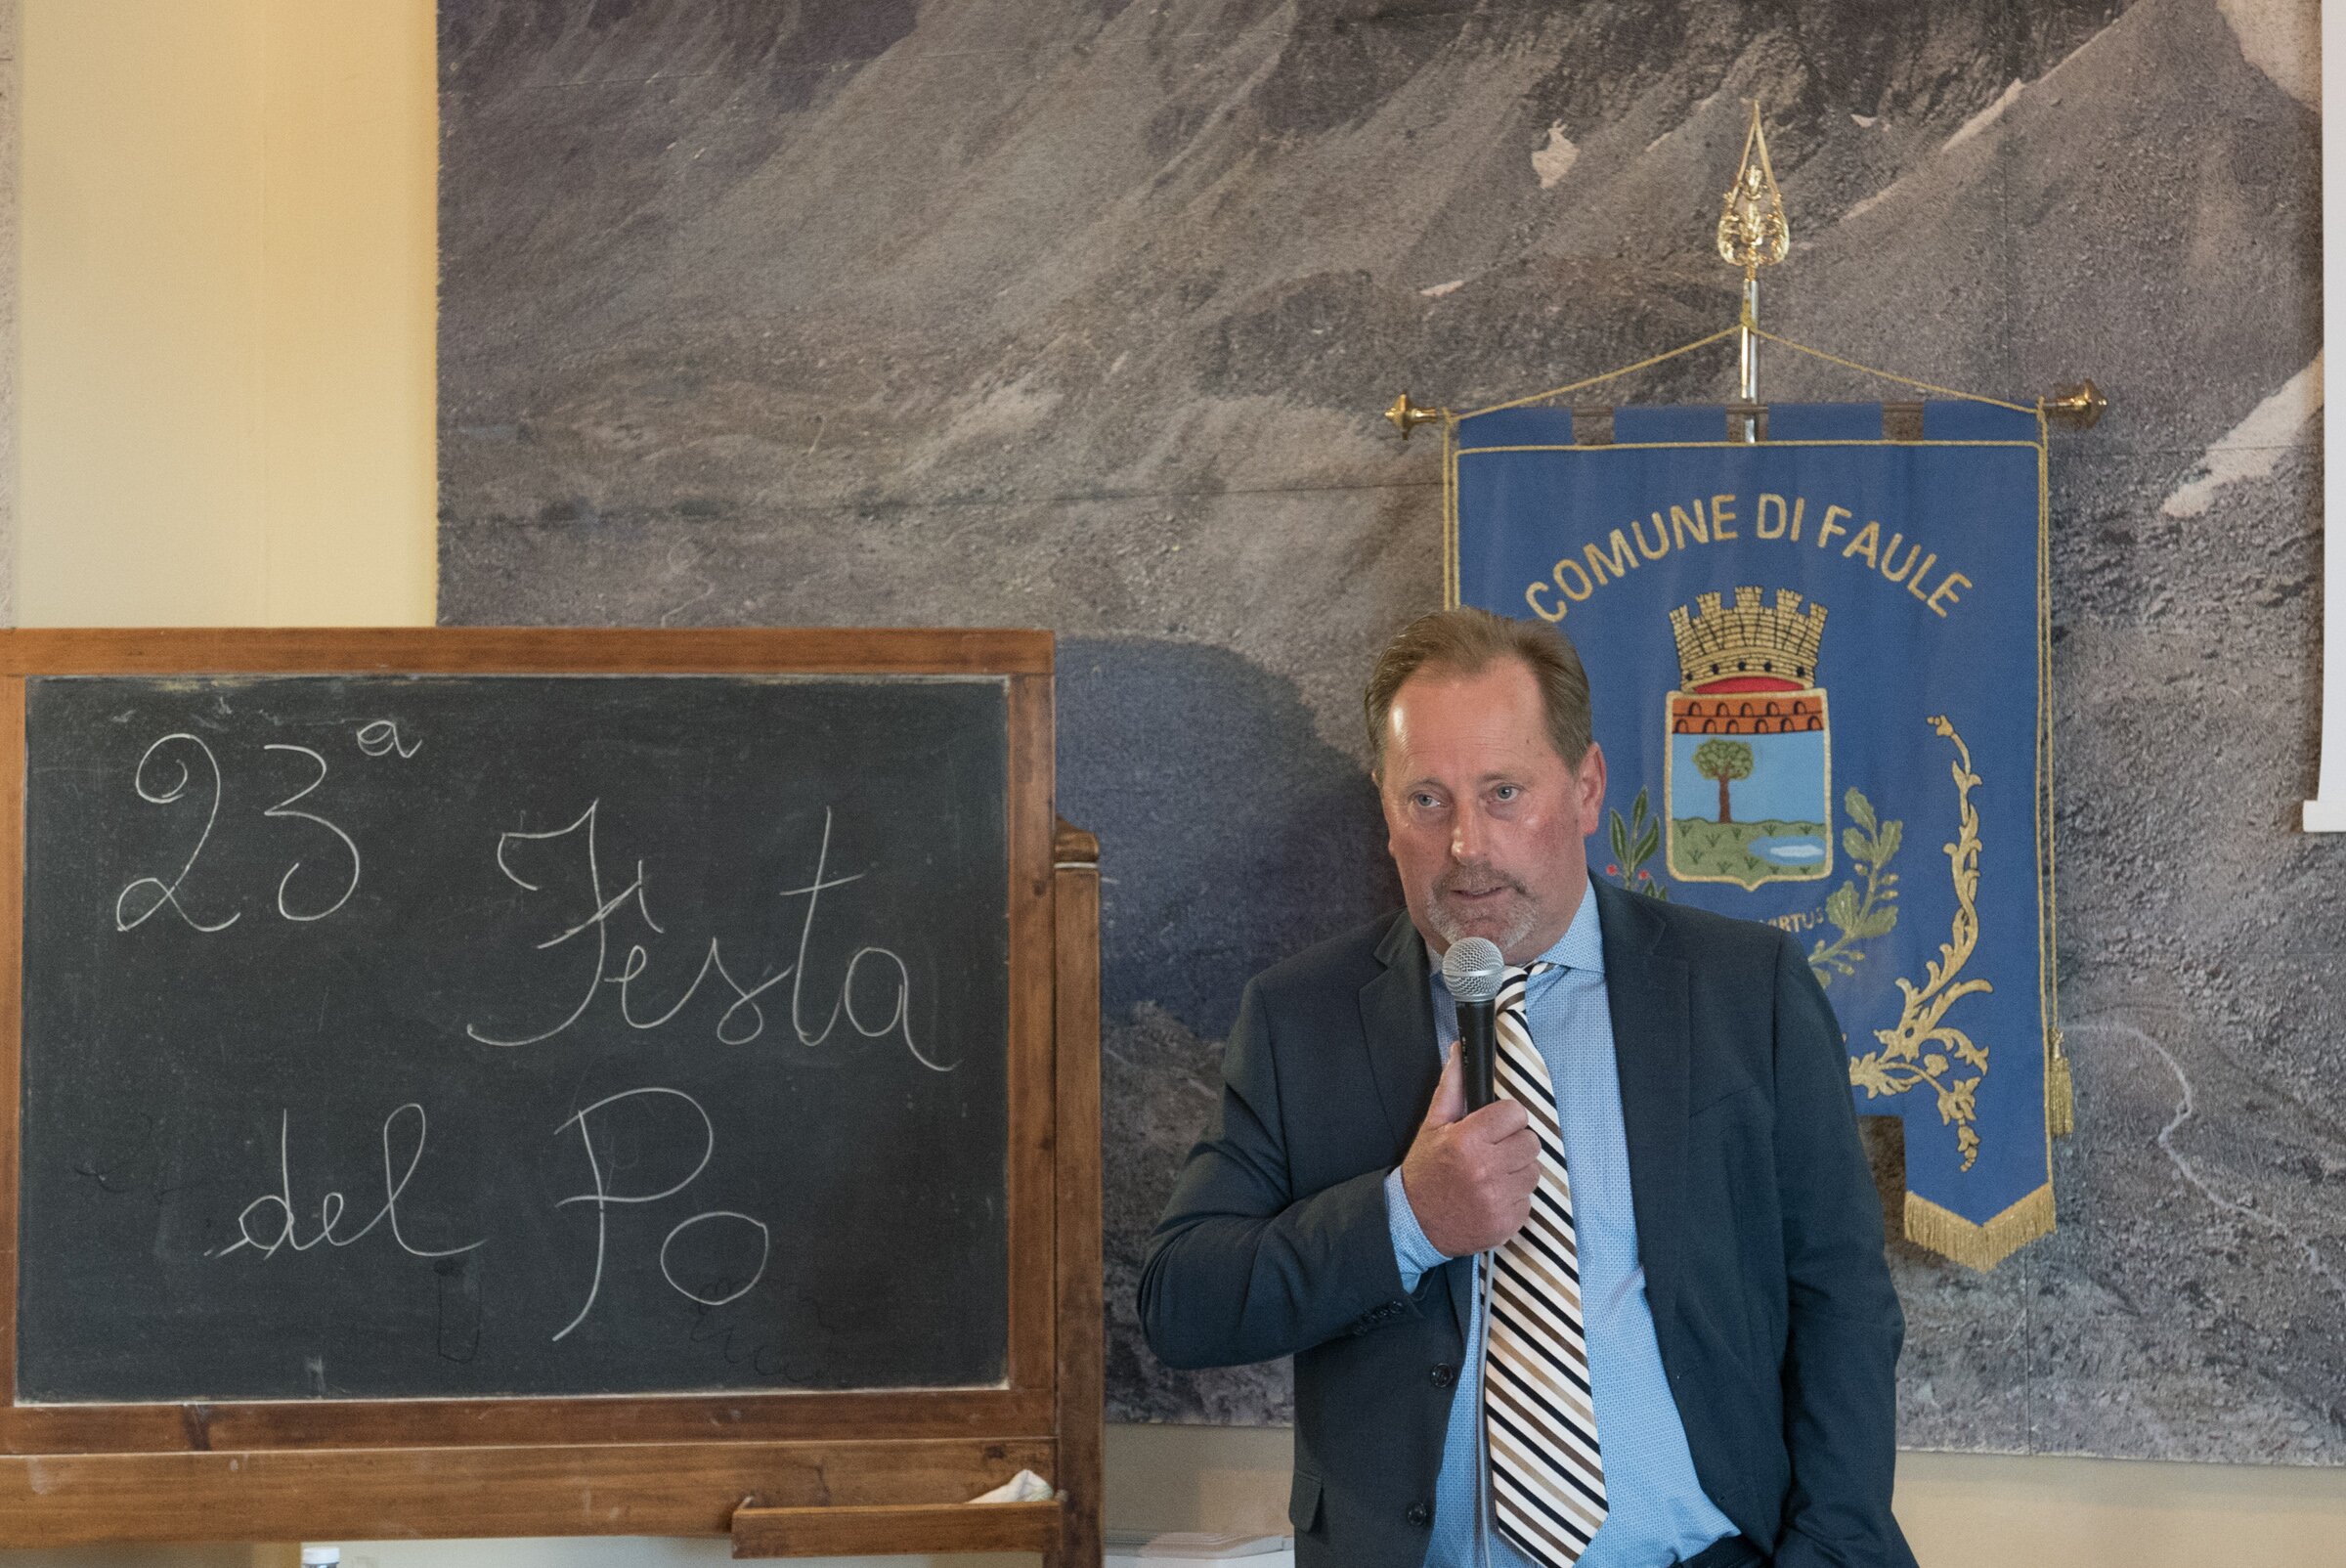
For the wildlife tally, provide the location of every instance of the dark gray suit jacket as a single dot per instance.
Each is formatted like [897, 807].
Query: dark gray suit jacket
[1757, 1227]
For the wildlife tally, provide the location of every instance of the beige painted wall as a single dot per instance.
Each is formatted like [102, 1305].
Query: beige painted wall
[227, 288]
[227, 406]
[1959, 1510]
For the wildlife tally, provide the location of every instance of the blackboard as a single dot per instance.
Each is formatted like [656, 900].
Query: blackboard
[466, 1035]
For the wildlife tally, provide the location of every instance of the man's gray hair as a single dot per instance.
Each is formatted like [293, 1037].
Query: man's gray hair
[1467, 640]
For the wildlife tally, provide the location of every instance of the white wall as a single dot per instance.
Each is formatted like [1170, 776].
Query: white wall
[2327, 812]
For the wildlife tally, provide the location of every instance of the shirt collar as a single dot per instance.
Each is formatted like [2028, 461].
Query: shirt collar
[1583, 945]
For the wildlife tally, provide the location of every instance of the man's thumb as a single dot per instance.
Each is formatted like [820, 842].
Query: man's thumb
[1449, 1095]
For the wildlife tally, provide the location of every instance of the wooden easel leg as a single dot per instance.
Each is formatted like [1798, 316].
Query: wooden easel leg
[1081, 1315]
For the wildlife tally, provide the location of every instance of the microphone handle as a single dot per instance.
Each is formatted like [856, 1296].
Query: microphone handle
[1478, 1041]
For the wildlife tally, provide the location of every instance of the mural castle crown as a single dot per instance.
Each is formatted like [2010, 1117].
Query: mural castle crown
[1750, 642]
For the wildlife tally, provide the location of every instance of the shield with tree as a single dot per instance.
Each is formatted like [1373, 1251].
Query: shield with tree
[1748, 768]
[1725, 760]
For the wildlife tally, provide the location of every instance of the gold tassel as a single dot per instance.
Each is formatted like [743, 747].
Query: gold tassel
[2061, 1099]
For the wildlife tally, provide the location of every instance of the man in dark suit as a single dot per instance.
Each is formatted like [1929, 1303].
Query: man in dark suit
[1691, 1330]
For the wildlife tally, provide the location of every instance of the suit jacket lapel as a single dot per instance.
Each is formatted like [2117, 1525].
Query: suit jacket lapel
[1646, 996]
[1397, 1019]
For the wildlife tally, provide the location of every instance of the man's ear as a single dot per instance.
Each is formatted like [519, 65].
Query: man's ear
[1589, 783]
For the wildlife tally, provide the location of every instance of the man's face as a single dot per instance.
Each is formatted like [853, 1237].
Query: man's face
[1485, 821]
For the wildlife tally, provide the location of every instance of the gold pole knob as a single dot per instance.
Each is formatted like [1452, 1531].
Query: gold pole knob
[1408, 416]
[2076, 407]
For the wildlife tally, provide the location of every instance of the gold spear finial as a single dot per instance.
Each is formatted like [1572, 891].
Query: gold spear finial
[1751, 231]
[1408, 416]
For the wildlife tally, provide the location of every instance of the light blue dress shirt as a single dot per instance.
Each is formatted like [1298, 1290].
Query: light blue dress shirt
[1656, 1512]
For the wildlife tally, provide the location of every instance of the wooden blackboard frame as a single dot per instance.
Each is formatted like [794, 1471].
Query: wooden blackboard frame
[789, 1474]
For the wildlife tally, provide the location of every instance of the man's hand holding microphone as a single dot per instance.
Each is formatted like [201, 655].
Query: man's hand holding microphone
[1471, 1171]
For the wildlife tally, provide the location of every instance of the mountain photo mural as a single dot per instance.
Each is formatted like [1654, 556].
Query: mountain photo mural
[1078, 314]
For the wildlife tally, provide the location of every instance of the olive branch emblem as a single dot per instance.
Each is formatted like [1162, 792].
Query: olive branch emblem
[1860, 917]
[1923, 1047]
[1634, 844]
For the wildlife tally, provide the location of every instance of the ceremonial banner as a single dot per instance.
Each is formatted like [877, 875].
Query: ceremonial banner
[1818, 665]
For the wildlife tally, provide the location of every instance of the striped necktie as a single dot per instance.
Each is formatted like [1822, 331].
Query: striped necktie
[1548, 1479]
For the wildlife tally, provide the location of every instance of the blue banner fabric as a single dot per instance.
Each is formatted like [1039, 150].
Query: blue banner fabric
[1817, 663]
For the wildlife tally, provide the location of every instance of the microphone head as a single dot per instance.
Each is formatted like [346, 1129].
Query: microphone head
[1473, 969]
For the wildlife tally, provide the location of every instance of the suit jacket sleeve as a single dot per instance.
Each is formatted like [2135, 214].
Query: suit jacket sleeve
[1840, 1359]
[1243, 1268]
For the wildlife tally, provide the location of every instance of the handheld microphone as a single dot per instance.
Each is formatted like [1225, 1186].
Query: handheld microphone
[1473, 970]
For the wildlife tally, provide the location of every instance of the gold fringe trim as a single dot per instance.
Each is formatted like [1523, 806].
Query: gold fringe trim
[1979, 1246]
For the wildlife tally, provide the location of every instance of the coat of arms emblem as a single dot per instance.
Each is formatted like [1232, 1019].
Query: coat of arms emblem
[1749, 780]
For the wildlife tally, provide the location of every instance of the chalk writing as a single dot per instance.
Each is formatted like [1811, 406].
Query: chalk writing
[381, 738]
[168, 893]
[280, 1228]
[743, 1020]
[139, 900]
[603, 1199]
[284, 807]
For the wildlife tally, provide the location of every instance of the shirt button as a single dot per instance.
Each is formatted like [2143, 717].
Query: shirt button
[1420, 1513]
[1444, 1376]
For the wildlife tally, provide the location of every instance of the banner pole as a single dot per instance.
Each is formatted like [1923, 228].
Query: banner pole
[1749, 360]
[1752, 233]
[1747, 428]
